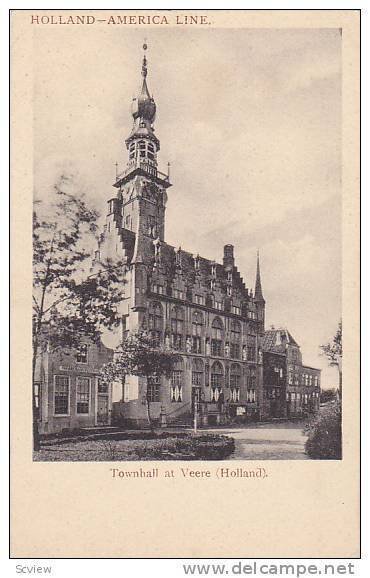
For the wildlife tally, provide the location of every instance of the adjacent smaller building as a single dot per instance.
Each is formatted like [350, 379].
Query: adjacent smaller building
[70, 393]
[290, 389]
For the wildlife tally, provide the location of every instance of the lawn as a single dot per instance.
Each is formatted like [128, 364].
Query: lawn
[161, 447]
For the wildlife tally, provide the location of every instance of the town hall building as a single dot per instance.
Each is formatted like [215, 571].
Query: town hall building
[229, 367]
[200, 308]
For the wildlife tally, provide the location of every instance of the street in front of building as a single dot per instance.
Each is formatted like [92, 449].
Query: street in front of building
[268, 441]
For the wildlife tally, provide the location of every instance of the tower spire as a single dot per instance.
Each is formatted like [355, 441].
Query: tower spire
[258, 287]
[144, 69]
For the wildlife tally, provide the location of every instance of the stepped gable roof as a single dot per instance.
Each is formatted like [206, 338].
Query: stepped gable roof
[192, 266]
[177, 259]
[276, 340]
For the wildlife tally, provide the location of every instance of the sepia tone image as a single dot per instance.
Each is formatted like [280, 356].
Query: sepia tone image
[190, 263]
[187, 245]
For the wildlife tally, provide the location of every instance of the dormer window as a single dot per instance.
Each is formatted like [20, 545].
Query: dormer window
[236, 310]
[199, 299]
[81, 356]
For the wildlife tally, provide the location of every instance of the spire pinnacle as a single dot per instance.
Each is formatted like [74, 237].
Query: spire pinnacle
[258, 287]
[144, 68]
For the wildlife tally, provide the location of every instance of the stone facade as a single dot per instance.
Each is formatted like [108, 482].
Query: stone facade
[290, 389]
[70, 393]
[195, 306]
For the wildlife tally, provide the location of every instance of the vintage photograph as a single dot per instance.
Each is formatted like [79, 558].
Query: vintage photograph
[187, 243]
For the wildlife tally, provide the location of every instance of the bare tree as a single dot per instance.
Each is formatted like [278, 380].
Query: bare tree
[333, 352]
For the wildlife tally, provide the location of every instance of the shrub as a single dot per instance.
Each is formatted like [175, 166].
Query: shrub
[325, 434]
[328, 395]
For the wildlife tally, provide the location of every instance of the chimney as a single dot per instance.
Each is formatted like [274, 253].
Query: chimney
[229, 256]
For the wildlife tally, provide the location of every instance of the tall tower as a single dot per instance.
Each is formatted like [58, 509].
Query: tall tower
[141, 186]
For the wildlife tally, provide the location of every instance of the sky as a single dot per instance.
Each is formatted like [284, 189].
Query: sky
[250, 120]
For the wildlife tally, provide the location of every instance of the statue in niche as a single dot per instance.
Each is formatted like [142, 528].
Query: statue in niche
[188, 344]
[208, 347]
[260, 355]
[244, 353]
[227, 349]
[167, 341]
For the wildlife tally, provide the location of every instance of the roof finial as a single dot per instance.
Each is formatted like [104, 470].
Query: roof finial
[144, 69]
[258, 287]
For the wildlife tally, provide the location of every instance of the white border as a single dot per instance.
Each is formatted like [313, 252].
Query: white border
[167, 568]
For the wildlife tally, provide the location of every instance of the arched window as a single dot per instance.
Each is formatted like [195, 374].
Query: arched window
[177, 382]
[235, 334]
[177, 327]
[197, 327]
[251, 347]
[235, 380]
[156, 322]
[197, 376]
[217, 336]
[217, 380]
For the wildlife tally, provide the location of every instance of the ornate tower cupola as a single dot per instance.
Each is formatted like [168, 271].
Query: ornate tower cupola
[142, 144]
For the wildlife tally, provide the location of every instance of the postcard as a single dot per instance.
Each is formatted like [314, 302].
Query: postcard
[185, 283]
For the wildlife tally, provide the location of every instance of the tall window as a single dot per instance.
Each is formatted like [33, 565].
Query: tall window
[83, 394]
[235, 379]
[151, 226]
[156, 322]
[217, 336]
[151, 151]
[253, 377]
[102, 386]
[153, 388]
[197, 326]
[132, 151]
[177, 382]
[61, 395]
[81, 356]
[235, 339]
[142, 148]
[251, 395]
[197, 376]
[251, 348]
[177, 327]
[217, 380]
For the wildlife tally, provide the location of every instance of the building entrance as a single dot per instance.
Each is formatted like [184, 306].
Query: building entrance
[103, 413]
